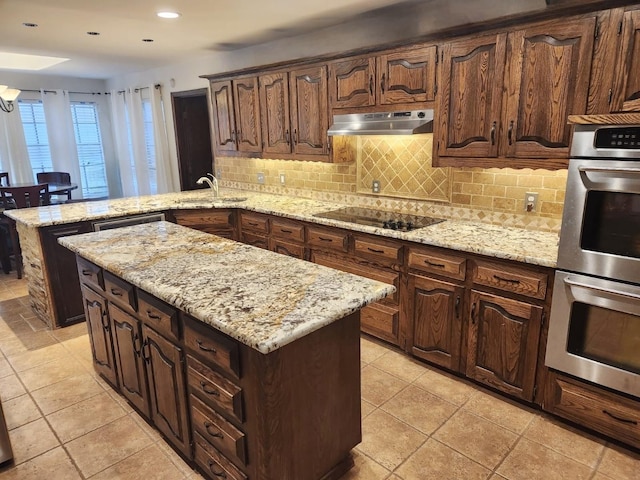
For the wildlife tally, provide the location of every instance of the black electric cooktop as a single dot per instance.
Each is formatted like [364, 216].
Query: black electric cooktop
[379, 218]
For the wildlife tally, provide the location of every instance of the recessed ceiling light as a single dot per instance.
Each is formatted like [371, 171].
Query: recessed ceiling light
[31, 25]
[168, 14]
[93, 33]
[148, 40]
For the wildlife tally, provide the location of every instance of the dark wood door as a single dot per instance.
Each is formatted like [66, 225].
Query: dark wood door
[626, 90]
[309, 110]
[193, 136]
[352, 83]
[224, 133]
[247, 110]
[546, 80]
[61, 265]
[437, 320]
[274, 108]
[502, 349]
[471, 100]
[167, 388]
[407, 76]
[95, 307]
[127, 346]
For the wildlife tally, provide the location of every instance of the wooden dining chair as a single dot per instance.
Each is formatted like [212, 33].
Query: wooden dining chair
[4, 179]
[19, 197]
[55, 177]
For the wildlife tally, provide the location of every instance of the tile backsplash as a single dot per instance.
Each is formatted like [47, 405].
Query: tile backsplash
[410, 184]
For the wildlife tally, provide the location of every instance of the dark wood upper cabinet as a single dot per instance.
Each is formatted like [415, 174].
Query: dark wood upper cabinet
[397, 77]
[547, 79]
[309, 110]
[274, 102]
[247, 110]
[224, 134]
[626, 87]
[471, 100]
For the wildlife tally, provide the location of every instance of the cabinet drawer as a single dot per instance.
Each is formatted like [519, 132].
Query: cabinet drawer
[381, 321]
[600, 410]
[254, 222]
[158, 315]
[325, 238]
[217, 431]
[214, 389]
[199, 218]
[287, 230]
[211, 346]
[90, 273]
[120, 292]
[213, 462]
[286, 248]
[368, 247]
[255, 240]
[519, 280]
[440, 263]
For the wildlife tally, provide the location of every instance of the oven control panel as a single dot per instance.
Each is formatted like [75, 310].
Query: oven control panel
[618, 137]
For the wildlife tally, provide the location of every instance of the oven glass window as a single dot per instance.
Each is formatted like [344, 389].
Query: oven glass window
[612, 223]
[606, 336]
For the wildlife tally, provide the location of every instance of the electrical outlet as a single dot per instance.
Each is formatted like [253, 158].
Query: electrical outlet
[375, 186]
[261, 178]
[219, 173]
[530, 202]
[282, 179]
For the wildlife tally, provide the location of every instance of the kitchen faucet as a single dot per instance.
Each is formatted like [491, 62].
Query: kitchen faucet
[213, 183]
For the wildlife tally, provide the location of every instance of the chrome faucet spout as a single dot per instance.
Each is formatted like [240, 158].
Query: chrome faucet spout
[213, 183]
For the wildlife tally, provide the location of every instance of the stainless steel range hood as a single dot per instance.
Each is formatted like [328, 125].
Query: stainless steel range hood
[383, 123]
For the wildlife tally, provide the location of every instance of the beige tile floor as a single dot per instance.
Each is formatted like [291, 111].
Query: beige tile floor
[418, 423]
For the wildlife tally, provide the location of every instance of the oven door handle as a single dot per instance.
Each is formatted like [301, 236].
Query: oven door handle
[568, 281]
[609, 169]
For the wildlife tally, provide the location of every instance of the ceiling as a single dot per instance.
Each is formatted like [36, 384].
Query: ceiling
[204, 26]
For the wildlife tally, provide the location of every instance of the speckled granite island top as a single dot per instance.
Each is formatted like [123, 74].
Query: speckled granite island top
[262, 299]
[538, 248]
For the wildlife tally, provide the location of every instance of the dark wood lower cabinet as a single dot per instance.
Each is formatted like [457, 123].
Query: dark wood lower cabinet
[95, 307]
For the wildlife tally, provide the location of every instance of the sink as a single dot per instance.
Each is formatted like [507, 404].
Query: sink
[208, 200]
[230, 199]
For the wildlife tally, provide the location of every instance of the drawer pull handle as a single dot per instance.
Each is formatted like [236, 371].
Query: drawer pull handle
[152, 315]
[508, 280]
[285, 231]
[203, 348]
[207, 426]
[325, 239]
[624, 420]
[431, 264]
[220, 474]
[374, 250]
[116, 292]
[86, 273]
[209, 391]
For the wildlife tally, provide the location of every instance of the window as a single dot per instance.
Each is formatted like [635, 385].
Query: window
[35, 133]
[90, 153]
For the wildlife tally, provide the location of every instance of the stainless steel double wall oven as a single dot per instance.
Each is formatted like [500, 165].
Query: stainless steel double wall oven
[594, 330]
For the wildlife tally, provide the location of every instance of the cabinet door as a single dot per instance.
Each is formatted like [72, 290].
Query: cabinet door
[437, 321]
[471, 101]
[503, 343]
[274, 103]
[407, 77]
[547, 79]
[167, 388]
[127, 346]
[309, 110]
[626, 90]
[95, 307]
[62, 267]
[224, 134]
[247, 110]
[351, 83]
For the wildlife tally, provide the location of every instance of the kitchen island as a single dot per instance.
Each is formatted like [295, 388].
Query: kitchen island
[247, 361]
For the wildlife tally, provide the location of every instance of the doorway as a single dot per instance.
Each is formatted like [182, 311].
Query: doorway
[193, 136]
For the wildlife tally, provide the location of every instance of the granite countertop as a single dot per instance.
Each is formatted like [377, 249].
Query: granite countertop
[262, 299]
[534, 247]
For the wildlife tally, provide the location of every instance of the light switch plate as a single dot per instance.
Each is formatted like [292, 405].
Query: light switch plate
[282, 182]
[261, 178]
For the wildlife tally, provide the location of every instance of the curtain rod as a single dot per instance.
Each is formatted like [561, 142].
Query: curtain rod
[156, 86]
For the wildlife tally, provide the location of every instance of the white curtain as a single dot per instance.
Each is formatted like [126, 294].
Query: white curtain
[133, 100]
[121, 143]
[163, 160]
[14, 157]
[62, 140]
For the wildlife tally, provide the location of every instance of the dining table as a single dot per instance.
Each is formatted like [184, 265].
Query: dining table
[54, 188]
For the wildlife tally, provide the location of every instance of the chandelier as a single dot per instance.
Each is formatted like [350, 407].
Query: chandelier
[7, 97]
